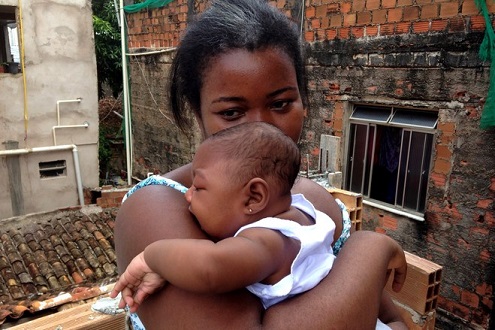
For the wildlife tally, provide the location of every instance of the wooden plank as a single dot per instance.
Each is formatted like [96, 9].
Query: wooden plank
[76, 318]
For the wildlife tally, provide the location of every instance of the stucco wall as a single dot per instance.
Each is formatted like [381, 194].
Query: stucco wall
[60, 65]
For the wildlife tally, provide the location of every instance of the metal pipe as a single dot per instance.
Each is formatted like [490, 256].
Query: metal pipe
[78, 100]
[85, 125]
[125, 85]
[75, 154]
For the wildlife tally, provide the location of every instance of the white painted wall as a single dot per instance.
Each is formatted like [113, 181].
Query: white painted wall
[60, 64]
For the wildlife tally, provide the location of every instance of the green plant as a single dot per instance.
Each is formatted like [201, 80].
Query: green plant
[107, 46]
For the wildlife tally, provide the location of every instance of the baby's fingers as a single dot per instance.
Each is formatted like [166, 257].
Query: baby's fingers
[399, 278]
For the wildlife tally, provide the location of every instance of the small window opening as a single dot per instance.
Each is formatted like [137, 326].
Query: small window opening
[9, 41]
[52, 169]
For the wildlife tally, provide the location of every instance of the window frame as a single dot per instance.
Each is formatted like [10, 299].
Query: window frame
[375, 119]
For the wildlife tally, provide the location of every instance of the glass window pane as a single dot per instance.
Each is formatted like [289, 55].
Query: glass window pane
[358, 157]
[386, 164]
[414, 169]
[425, 172]
[404, 157]
[411, 118]
[371, 114]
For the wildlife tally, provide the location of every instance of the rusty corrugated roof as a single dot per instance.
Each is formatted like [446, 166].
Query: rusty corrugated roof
[48, 259]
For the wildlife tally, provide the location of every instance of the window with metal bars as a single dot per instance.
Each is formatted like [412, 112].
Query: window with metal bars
[389, 155]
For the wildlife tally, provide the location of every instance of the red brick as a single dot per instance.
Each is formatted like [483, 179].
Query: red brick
[390, 223]
[325, 22]
[389, 3]
[379, 16]
[404, 2]
[438, 179]
[444, 152]
[315, 23]
[346, 7]
[485, 255]
[469, 8]
[320, 35]
[337, 125]
[477, 23]
[309, 36]
[423, 2]
[449, 9]
[411, 13]
[344, 33]
[357, 32]
[470, 299]
[492, 184]
[484, 203]
[335, 21]
[394, 15]
[310, 12]
[439, 25]
[447, 128]
[380, 230]
[321, 11]
[372, 31]
[442, 166]
[403, 27]
[484, 289]
[372, 4]
[349, 20]
[358, 5]
[333, 8]
[387, 29]
[420, 27]
[363, 18]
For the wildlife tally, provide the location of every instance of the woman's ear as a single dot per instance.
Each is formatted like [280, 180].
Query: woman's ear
[257, 195]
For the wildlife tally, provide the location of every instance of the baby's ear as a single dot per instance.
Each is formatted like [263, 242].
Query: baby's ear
[257, 196]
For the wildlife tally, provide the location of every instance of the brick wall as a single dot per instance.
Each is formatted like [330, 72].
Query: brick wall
[415, 54]
[111, 197]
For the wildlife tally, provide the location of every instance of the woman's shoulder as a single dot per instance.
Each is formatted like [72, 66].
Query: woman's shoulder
[178, 180]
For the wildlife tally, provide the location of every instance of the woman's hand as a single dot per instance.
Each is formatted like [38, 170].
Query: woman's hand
[136, 283]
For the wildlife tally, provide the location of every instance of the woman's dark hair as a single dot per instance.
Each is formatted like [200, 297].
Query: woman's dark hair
[224, 26]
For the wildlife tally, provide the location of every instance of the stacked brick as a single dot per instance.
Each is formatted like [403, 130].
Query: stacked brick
[418, 298]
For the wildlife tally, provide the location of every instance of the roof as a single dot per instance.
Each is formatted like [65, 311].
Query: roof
[49, 259]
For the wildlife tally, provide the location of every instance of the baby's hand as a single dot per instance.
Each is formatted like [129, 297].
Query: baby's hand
[136, 283]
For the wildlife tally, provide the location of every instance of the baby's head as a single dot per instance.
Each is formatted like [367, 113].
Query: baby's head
[257, 149]
[240, 175]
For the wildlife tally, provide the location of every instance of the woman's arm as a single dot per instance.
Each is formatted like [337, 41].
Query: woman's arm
[349, 297]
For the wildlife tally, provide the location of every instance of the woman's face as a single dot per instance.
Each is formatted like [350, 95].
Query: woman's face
[242, 86]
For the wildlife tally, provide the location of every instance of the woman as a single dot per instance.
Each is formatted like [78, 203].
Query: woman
[240, 62]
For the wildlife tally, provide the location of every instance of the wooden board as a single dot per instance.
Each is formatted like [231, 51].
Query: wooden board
[77, 318]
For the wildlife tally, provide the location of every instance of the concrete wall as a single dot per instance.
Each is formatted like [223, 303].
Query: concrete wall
[60, 64]
[419, 54]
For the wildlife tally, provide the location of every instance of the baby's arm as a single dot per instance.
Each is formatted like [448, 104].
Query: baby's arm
[204, 266]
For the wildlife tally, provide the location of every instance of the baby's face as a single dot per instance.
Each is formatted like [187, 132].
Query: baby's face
[215, 198]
